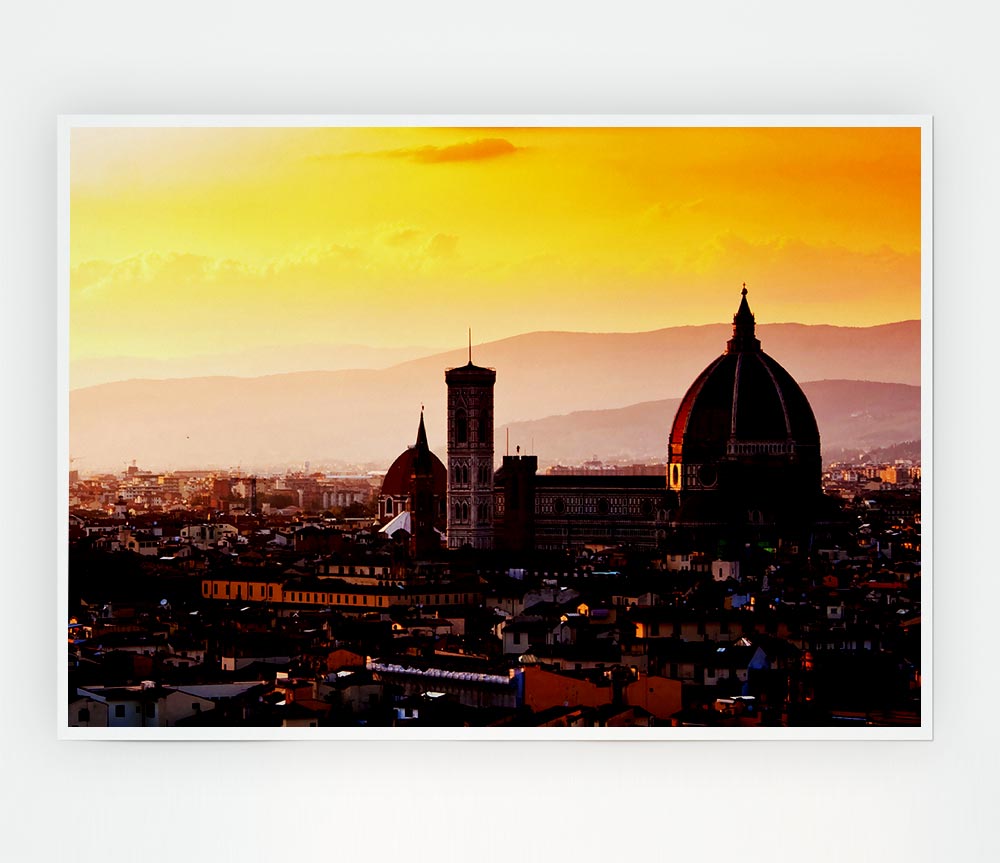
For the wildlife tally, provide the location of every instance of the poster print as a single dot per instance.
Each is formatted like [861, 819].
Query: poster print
[512, 428]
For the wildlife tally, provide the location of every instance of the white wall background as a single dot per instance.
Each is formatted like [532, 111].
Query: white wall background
[267, 801]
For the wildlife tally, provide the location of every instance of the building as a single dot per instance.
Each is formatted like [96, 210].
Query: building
[397, 493]
[744, 469]
[470, 456]
[549, 512]
[744, 455]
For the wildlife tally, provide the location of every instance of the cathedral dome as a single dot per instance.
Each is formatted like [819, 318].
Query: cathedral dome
[398, 480]
[746, 419]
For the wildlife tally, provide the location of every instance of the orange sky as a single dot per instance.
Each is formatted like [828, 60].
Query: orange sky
[190, 241]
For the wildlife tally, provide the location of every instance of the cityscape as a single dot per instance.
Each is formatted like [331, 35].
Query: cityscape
[605, 525]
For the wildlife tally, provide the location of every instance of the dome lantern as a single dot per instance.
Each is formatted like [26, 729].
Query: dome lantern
[744, 328]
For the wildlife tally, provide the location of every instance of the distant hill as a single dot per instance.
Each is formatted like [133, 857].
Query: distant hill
[853, 417]
[370, 415]
[251, 362]
[907, 450]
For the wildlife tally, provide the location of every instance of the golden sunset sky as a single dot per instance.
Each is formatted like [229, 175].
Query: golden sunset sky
[188, 241]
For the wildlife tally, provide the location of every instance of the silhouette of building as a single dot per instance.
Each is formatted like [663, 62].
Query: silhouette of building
[744, 469]
[470, 456]
[425, 502]
[416, 477]
[550, 512]
[744, 454]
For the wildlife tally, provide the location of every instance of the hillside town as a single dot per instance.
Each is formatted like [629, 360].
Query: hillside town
[205, 598]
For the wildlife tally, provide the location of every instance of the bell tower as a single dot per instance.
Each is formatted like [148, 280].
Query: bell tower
[470, 455]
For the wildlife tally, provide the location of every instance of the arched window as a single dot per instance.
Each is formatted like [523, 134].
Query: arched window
[483, 430]
[465, 474]
[388, 506]
[461, 426]
[465, 512]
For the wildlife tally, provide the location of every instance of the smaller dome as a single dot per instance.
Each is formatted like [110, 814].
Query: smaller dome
[398, 480]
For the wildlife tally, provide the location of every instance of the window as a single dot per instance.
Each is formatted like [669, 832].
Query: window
[484, 427]
[83, 715]
[120, 711]
[461, 426]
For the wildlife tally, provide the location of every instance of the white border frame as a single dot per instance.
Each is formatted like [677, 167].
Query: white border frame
[66, 123]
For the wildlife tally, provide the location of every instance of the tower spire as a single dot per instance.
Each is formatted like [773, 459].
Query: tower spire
[744, 328]
[470, 346]
[421, 431]
[422, 460]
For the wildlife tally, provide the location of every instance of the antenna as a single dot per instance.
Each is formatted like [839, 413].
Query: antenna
[508, 440]
[470, 346]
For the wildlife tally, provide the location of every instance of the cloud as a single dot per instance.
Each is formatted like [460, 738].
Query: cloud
[402, 237]
[668, 210]
[442, 246]
[467, 151]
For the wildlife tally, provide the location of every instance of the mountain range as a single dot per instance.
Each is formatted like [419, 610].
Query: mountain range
[370, 415]
[248, 362]
[853, 417]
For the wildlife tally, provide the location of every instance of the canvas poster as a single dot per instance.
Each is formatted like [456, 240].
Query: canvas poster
[519, 427]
